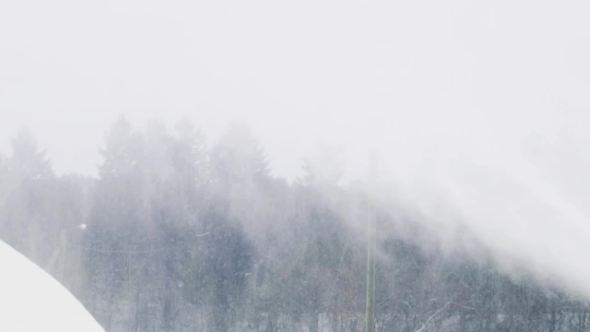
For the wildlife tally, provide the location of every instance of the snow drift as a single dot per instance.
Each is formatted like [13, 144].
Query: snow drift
[31, 300]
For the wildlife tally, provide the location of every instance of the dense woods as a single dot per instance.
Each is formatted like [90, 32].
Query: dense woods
[180, 234]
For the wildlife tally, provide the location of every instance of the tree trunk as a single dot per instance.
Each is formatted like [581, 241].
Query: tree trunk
[553, 321]
[314, 325]
[271, 324]
[438, 324]
[462, 323]
[337, 323]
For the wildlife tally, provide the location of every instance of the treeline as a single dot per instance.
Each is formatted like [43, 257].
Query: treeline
[175, 235]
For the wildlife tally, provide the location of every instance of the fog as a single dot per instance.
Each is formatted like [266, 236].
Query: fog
[477, 111]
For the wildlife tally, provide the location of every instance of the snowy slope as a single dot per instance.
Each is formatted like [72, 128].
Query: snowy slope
[31, 300]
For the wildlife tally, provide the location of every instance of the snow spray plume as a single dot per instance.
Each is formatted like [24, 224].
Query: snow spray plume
[484, 132]
[520, 190]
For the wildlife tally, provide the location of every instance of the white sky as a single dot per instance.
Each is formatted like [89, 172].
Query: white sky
[297, 71]
[362, 75]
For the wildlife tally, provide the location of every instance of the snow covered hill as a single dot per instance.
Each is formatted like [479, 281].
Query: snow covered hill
[31, 300]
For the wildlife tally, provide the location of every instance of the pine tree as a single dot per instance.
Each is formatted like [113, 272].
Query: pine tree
[238, 158]
[28, 186]
[119, 220]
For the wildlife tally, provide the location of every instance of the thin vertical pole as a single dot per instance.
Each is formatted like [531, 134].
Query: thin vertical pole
[62, 261]
[371, 247]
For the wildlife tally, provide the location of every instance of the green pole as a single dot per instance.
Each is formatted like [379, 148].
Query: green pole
[62, 261]
[371, 247]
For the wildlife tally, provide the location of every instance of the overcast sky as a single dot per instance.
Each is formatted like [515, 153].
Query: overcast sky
[361, 74]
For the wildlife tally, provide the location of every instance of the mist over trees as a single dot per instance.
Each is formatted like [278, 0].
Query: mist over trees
[180, 234]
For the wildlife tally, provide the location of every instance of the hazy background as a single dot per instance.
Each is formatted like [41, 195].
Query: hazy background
[298, 72]
[477, 107]
[478, 112]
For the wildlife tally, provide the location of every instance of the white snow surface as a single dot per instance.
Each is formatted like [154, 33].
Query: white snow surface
[31, 300]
